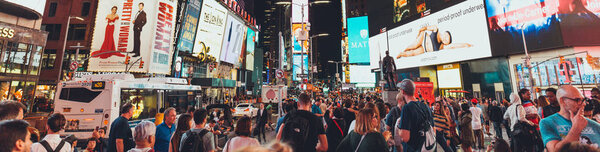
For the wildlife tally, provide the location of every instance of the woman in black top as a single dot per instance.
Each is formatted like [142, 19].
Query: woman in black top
[365, 137]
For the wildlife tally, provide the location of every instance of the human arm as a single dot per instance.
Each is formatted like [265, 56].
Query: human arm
[322, 145]
[120, 146]
[404, 135]
[522, 116]
[456, 46]
[278, 137]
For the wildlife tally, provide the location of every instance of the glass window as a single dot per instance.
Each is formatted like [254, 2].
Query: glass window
[19, 59]
[145, 102]
[52, 9]
[85, 8]
[76, 32]
[16, 90]
[78, 94]
[48, 59]
[36, 60]
[53, 31]
[4, 88]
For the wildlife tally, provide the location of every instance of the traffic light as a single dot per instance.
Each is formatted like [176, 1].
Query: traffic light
[127, 58]
[141, 64]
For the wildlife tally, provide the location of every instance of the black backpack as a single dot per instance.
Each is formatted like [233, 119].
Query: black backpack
[295, 130]
[49, 149]
[525, 136]
[193, 142]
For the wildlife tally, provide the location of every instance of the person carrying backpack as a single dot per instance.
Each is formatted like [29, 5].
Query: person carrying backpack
[416, 121]
[52, 142]
[301, 129]
[198, 139]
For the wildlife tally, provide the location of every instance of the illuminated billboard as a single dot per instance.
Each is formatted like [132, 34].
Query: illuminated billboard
[296, 29]
[189, 26]
[142, 30]
[297, 11]
[211, 27]
[250, 45]
[358, 39]
[297, 61]
[441, 37]
[235, 31]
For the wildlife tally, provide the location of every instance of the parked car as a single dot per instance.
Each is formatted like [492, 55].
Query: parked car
[245, 109]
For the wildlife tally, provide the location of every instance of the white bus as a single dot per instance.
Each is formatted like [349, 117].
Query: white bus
[95, 100]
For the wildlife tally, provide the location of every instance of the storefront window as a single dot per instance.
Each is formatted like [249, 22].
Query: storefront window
[553, 72]
[17, 58]
[16, 90]
[35, 61]
[4, 88]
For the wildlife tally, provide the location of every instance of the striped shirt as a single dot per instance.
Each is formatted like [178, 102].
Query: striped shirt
[440, 121]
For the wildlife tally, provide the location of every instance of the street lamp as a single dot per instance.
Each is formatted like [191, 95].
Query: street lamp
[337, 74]
[311, 52]
[66, 34]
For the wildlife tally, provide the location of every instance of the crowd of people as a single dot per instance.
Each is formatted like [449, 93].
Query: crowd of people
[563, 119]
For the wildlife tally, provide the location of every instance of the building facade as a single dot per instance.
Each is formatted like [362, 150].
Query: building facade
[22, 44]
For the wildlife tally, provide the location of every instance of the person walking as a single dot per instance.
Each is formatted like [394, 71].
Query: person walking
[199, 138]
[466, 132]
[365, 138]
[335, 123]
[165, 130]
[441, 119]
[120, 138]
[553, 106]
[261, 121]
[302, 129]
[242, 130]
[495, 114]
[416, 120]
[477, 126]
[15, 137]
[183, 125]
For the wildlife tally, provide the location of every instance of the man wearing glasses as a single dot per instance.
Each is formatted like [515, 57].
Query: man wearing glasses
[569, 125]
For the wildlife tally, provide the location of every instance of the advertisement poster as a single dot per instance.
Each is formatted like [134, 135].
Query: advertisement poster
[296, 29]
[209, 34]
[537, 19]
[250, 44]
[235, 31]
[442, 37]
[579, 21]
[358, 39]
[242, 56]
[297, 61]
[189, 26]
[143, 30]
[297, 11]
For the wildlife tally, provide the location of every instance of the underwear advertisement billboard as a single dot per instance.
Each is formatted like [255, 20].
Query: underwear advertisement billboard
[141, 30]
[442, 37]
[235, 32]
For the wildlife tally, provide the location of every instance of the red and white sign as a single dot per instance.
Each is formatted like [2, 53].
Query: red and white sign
[73, 65]
[279, 74]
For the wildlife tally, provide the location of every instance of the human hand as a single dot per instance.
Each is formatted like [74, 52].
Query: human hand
[387, 135]
[579, 122]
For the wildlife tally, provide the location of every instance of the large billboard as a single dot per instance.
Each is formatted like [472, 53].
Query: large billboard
[296, 29]
[298, 60]
[235, 31]
[211, 27]
[358, 39]
[189, 26]
[441, 37]
[297, 11]
[250, 45]
[140, 29]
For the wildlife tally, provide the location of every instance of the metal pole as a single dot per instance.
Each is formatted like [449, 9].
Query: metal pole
[528, 63]
[76, 56]
[64, 46]
[302, 45]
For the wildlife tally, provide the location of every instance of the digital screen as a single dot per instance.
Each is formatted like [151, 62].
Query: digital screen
[358, 39]
[297, 11]
[298, 66]
[442, 37]
[296, 29]
[209, 34]
[250, 44]
[189, 25]
[235, 32]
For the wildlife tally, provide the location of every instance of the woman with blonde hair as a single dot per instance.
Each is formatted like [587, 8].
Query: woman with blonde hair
[365, 137]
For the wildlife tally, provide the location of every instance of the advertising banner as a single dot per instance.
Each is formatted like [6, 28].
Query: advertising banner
[250, 44]
[358, 39]
[189, 26]
[209, 34]
[142, 30]
[233, 39]
[442, 37]
[296, 29]
[297, 11]
[298, 66]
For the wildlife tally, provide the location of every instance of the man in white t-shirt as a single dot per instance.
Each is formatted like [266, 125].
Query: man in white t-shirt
[477, 127]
